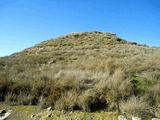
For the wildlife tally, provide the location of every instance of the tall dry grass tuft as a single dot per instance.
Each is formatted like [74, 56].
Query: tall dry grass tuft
[134, 106]
[117, 88]
[68, 101]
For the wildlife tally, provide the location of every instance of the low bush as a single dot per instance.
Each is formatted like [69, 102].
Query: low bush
[92, 101]
[54, 95]
[20, 99]
[20, 87]
[4, 86]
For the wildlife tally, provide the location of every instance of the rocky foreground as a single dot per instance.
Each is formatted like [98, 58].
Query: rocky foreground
[35, 113]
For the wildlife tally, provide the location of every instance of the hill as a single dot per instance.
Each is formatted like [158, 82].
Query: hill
[88, 71]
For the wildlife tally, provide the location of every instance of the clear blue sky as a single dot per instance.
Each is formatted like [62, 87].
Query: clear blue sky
[24, 23]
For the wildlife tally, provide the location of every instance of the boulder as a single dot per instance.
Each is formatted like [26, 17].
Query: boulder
[121, 117]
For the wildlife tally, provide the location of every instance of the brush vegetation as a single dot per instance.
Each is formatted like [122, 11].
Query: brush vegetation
[88, 71]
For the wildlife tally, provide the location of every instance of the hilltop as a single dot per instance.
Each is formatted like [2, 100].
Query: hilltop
[87, 71]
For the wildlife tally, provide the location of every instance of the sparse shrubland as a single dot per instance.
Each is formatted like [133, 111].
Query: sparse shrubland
[90, 71]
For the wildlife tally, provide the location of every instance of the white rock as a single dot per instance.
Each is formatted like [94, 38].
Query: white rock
[49, 115]
[155, 119]
[121, 117]
[32, 116]
[5, 115]
[9, 111]
[49, 108]
[136, 118]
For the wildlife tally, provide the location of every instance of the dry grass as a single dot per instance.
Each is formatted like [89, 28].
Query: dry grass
[81, 71]
[134, 106]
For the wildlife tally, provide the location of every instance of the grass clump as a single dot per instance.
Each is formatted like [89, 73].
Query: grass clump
[135, 106]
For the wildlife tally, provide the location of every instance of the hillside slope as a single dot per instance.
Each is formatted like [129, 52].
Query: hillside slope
[87, 71]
